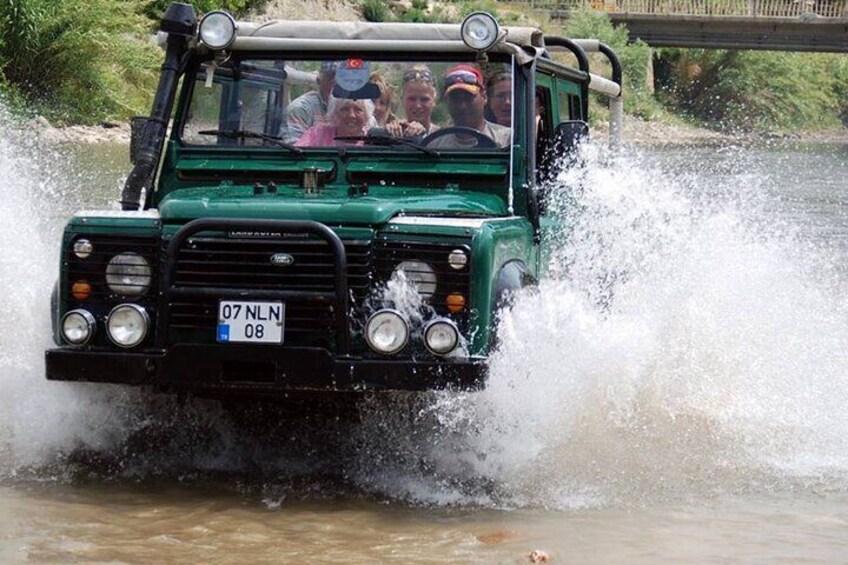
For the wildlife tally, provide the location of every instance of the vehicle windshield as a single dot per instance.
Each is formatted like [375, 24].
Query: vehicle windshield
[430, 106]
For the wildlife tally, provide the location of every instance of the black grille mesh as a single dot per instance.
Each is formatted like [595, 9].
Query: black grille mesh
[246, 264]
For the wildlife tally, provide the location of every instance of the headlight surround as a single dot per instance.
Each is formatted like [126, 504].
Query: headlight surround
[128, 274]
[420, 274]
[127, 325]
[480, 31]
[217, 30]
[78, 327]
[441, 336]
[387, 331]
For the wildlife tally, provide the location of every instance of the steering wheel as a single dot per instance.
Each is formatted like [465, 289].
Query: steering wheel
[483, 140]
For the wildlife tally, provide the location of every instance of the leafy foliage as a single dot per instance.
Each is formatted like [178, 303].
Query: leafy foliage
[78, 61]
[635, 58]
[375, 10]
[154, 9]
[757, 90]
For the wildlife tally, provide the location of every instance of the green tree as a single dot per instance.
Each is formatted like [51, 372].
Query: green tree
[77, 61]
[757, 90]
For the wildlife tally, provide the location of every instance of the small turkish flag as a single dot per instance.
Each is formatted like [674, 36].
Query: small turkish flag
[354, 63]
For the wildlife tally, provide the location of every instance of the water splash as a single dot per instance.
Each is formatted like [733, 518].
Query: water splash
[689, 339]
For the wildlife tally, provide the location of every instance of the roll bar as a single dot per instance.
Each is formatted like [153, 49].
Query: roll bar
[612, 89]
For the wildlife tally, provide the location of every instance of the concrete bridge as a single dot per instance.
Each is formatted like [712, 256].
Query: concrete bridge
[783, 25]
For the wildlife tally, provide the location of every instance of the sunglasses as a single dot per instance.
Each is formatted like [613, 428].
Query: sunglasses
[418, 76]
[462, 77]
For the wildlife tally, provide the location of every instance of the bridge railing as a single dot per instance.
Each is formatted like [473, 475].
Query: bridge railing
[742, 8]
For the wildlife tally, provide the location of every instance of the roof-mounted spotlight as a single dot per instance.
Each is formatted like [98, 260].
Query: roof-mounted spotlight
[480, 31]
[218, 30]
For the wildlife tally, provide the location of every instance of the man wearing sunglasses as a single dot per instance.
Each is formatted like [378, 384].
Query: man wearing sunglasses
[465, 95]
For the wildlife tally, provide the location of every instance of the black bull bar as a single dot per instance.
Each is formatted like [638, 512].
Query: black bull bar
[339, 296]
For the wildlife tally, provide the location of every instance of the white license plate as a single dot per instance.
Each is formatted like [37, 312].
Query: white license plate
[251, 322]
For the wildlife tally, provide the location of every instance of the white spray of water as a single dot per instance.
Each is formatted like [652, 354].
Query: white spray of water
[681, 346]
[38, 420]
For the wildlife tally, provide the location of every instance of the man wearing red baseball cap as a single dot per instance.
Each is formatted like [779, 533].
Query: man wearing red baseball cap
[465, 95]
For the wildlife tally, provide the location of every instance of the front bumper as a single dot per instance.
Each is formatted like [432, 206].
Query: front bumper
[260, 370]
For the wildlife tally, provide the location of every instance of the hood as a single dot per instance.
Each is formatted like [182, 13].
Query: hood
[372, 210]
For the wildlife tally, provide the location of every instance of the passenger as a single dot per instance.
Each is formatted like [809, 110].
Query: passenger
[466, 101]
[383, 111]
[499, 92]
[419, 99]
[311, 107]
[347, 118]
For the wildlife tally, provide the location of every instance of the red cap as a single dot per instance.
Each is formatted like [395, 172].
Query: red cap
[465, 77]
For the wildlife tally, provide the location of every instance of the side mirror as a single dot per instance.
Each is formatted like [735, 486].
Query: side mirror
[557, 154]
[136, 134]
[568, 136]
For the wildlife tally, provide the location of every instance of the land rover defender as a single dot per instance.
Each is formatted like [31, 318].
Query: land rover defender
[276, 237]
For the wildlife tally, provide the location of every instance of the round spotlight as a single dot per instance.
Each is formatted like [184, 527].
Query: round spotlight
[83, 248]
[387, 332]
[217, 30]
[480, 31]
[458, 259]
[441, 336]
[128, 274]
[127, 325]
[78, 327]
[420, 274]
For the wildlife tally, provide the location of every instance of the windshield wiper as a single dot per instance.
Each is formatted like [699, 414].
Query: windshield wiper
[242, 134]
[389, 141]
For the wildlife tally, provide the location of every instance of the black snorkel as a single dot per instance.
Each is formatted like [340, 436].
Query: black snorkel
[180, 23]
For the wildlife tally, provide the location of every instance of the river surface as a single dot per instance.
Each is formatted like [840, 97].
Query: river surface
[675, 392]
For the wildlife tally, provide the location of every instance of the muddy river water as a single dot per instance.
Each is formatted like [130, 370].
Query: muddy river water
[676, 392]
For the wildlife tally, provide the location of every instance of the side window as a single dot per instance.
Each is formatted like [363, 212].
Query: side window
[544, 125]
[568, 101]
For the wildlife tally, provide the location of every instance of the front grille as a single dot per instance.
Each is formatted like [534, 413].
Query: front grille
[245, 264]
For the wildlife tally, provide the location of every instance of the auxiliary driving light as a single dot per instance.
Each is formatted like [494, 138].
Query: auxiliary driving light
[387, 332]
[127, 325]
[78, 327]
[128, 274]
[480, 31]
[217, 30]
[441, 336]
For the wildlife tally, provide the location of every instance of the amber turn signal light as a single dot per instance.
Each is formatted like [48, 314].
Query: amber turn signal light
[455, 302]
[81, 290]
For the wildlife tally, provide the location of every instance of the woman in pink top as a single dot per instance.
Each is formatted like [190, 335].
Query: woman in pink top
[347, 118]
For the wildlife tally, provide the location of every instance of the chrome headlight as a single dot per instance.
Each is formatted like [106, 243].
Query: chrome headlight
[387, 332]
[441, 336]
[480, 31]
[78, 327]
[420, 274]
[127, 325]
[128, 274]
[217, 30]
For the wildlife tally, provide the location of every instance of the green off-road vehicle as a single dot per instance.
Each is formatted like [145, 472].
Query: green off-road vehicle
[284, 230]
